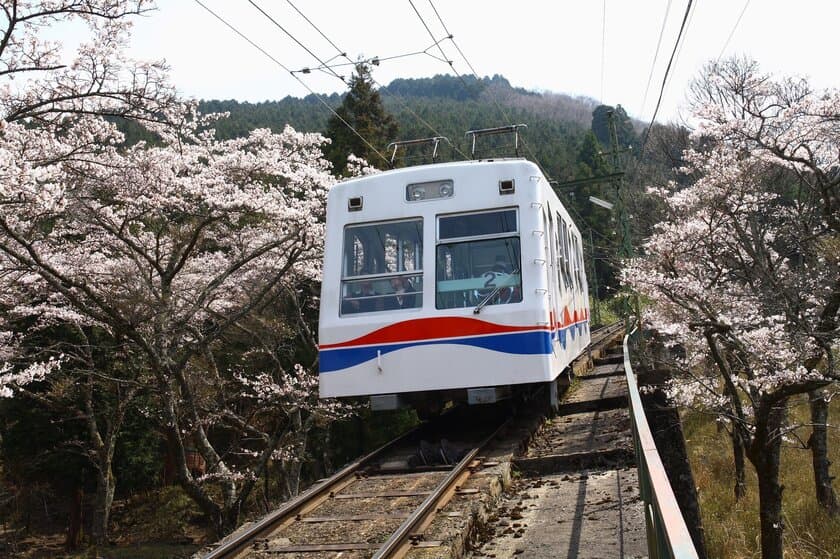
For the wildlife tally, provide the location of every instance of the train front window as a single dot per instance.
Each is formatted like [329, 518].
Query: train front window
[468, 271]
[382, 267]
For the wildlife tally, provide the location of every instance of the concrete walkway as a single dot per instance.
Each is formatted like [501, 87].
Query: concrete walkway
[578, 497]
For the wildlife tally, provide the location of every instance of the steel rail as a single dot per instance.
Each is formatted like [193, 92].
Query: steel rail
[603, 333]
[294, 507]
[400, 541]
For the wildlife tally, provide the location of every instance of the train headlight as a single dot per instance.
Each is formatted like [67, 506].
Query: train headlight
[429, 190]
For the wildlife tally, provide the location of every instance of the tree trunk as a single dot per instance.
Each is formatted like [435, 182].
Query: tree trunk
[740, 473]
[327, 454]
[230, 518]
[74, 528]
[105, 484]
[765, 454]
[818, 443]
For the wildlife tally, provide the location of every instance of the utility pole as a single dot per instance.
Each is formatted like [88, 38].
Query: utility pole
[596, 302]
[615, 176]
[625, 247]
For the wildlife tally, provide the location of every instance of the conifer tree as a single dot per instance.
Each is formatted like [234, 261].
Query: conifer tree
[363, 110]
[625, 133]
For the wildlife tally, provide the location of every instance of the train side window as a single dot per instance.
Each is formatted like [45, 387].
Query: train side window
[382, 267]
[478, 256]
[561, 255]
[566, 250]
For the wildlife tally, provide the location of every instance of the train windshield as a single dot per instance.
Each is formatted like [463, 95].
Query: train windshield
[478, 256]
[382, 267]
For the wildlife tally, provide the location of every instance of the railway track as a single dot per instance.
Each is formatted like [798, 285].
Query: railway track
[380, 505]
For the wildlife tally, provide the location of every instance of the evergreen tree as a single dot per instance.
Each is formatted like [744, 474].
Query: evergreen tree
[623, 126]
[363, 110]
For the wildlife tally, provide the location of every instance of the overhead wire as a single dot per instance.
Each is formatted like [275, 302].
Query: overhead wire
[732, 33]
[281, 65]
[682, 44]
[440, 48]
[451, 37]
[655, 56]
[372, 60]
[603, 45]
[505, 114]
[292, 37]
[318, 29]
[341, 52]
[375, 60]
[686, 20]
[399, 100]
[667, 73]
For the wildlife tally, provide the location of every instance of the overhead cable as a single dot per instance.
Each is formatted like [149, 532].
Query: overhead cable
[375, 60]
[505, 114]
[437, 42]
[732, 33]
[292, 37]
[655, 57]
[399, 100]
[603, 46]
[684, 39]
[665, 78]
[281, 65]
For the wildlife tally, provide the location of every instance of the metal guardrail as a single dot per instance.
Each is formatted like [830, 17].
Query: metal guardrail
[667, 533]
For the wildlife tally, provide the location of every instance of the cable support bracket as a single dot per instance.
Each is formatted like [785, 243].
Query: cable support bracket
[433, 141]
[509, 129]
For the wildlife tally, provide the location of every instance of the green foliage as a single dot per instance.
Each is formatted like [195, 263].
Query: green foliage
[38, 445]
[166, 514]
[625, 132]
[446, 87]
[305, 115]
[138, 458]
[443, 102]
[362, 109]
[609, 310]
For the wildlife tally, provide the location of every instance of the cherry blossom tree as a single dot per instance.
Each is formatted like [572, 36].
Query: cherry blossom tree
[192, 256]
[51, 104]
[744, 273]
[171, 248]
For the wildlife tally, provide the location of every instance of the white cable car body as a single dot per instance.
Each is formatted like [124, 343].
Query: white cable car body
[449, 279]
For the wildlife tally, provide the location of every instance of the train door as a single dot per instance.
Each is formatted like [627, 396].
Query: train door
[577, 314]
[553, 280]
[550, 298]
[546, 264]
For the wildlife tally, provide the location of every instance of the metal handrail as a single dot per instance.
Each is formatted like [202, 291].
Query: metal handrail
[667, 533]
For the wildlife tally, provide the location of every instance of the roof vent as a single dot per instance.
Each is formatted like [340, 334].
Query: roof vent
[355, 204]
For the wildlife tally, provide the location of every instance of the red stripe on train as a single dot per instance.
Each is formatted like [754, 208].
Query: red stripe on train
[432, 328]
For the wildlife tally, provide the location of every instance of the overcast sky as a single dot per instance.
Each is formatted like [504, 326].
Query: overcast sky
[551, 45]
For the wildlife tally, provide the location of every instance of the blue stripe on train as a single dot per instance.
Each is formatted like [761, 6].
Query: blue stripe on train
[518, 343]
